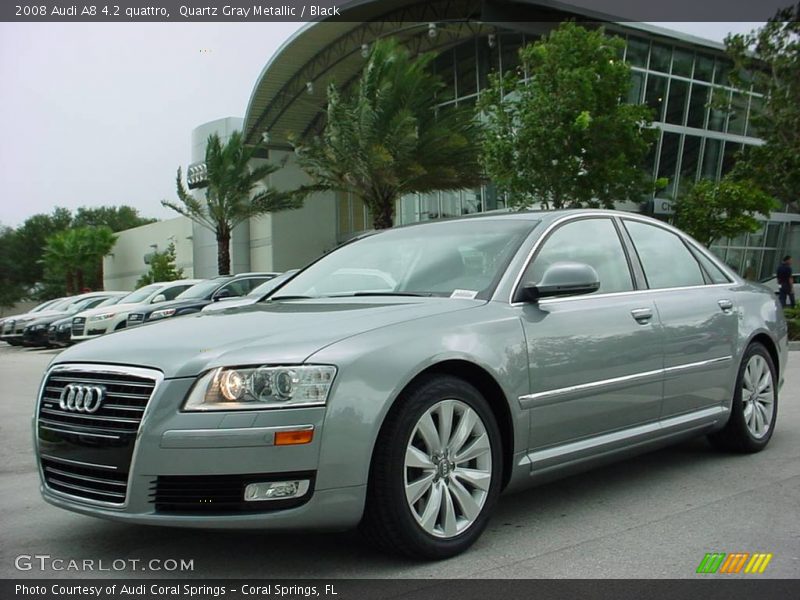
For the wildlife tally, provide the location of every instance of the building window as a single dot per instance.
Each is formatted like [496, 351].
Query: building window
[668, 160]
[637, 87]
[738, 113]
[698, 106]
[711, 156]
[660, 58]
[689, 161]
[654, 95]
[704, 68]
[676, 103]
[682, 61]
[637, 51]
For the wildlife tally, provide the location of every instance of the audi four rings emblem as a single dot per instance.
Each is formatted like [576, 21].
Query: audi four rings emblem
[81, 398]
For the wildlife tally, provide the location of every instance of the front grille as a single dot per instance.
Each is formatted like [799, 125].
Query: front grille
[103, 438]
[135, 318]
[219, 493]
[120, 413]
[96, 482]
[78, 325]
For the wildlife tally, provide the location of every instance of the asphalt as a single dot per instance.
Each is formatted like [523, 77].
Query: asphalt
[654, 516]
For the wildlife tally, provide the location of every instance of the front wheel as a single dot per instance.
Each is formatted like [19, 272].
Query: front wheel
[436, 471]
[754, 409]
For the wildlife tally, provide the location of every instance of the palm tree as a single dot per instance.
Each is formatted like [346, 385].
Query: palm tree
[386, 137]
[74, 252]
[100, 241]
[231, 196]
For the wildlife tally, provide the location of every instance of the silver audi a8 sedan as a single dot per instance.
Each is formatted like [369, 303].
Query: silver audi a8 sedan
[403, 381]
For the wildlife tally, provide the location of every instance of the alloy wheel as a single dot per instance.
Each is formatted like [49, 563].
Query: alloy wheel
[448, 468]
[758, 396]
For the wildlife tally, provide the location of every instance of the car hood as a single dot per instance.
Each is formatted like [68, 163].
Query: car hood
[280, 332]
[115, 308]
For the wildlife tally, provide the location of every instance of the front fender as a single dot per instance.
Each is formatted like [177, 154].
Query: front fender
[375, 367]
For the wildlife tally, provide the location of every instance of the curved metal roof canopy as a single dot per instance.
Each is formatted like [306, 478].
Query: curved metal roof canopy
[284, 103]
[289, 97]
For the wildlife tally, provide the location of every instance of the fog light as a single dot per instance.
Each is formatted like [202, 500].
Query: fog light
[275, 490]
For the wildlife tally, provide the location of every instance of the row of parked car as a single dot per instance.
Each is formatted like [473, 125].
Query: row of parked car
[64, 321]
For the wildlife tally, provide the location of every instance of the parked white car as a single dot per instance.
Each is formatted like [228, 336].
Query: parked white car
[99, 321]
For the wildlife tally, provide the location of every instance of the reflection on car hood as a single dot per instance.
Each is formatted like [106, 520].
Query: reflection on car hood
[280, 332]
[226, 304]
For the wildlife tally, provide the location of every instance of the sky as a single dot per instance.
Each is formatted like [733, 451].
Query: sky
[97, 114]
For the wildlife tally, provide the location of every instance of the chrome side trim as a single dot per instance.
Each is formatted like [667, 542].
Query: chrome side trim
[225, 438]
[550, 396]
[618, 437]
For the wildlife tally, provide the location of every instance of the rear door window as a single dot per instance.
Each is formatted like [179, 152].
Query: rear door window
[666, 260]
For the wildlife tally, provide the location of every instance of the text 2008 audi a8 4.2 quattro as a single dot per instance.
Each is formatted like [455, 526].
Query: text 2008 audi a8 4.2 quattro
[404, 380]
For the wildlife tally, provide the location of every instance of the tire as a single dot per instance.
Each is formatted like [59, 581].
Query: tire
[410, 460]
[121, 325]
[754, 410]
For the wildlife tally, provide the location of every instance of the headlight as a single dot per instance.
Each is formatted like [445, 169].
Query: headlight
[162, 314]
[65, 326]
[102, 317]
[244, 388]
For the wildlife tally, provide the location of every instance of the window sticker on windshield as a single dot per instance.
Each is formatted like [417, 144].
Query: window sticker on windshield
[467, 294]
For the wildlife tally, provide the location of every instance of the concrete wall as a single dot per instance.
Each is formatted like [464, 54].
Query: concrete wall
[298, 236]
[123, 267]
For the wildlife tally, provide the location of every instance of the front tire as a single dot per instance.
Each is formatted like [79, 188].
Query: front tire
[754, 410]
[436, 471]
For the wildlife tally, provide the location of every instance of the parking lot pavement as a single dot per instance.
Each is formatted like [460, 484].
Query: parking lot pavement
[652, 516]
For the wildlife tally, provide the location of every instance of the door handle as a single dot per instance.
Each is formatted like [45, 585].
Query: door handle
[642, 315]
[725, 305]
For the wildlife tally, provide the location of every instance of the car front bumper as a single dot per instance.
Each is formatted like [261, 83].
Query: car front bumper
[209, 445]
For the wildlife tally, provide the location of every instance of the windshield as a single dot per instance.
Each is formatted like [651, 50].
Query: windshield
[140, 295]
[451, 258]
[204, 289]
[110, 301]
[61, 305]
[44, 305]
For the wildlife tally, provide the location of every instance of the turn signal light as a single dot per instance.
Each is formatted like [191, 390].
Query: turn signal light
[293, 438]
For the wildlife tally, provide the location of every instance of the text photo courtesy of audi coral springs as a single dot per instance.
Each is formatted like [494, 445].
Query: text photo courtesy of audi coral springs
[390, 385]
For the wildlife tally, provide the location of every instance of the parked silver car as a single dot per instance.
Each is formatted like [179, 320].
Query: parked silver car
[512, 349]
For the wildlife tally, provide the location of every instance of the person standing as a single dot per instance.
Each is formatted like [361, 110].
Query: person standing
[785, 281]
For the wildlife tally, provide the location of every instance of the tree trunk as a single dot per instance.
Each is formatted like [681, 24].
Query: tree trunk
[223, 253]
[100, 275]
[383, 214]
[68, 283]
[79, 281]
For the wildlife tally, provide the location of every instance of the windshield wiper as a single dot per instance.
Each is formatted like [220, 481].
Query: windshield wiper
[425, 294]
[271, 298]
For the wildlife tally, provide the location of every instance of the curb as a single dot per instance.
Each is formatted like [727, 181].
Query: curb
[794, 346]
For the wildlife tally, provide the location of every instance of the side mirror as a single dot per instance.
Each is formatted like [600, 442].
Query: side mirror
[222, 295]
[562, 279]
[159, 298]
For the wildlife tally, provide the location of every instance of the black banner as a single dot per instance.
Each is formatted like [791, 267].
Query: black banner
[714, 588]
[128, 11]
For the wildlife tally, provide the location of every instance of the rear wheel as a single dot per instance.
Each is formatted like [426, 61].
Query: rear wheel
[754, 409]
[436, 471]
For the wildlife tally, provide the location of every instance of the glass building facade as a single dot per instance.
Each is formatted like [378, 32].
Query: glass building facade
[696, 139]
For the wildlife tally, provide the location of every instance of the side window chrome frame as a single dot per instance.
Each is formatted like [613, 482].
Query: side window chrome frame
[637, 272]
